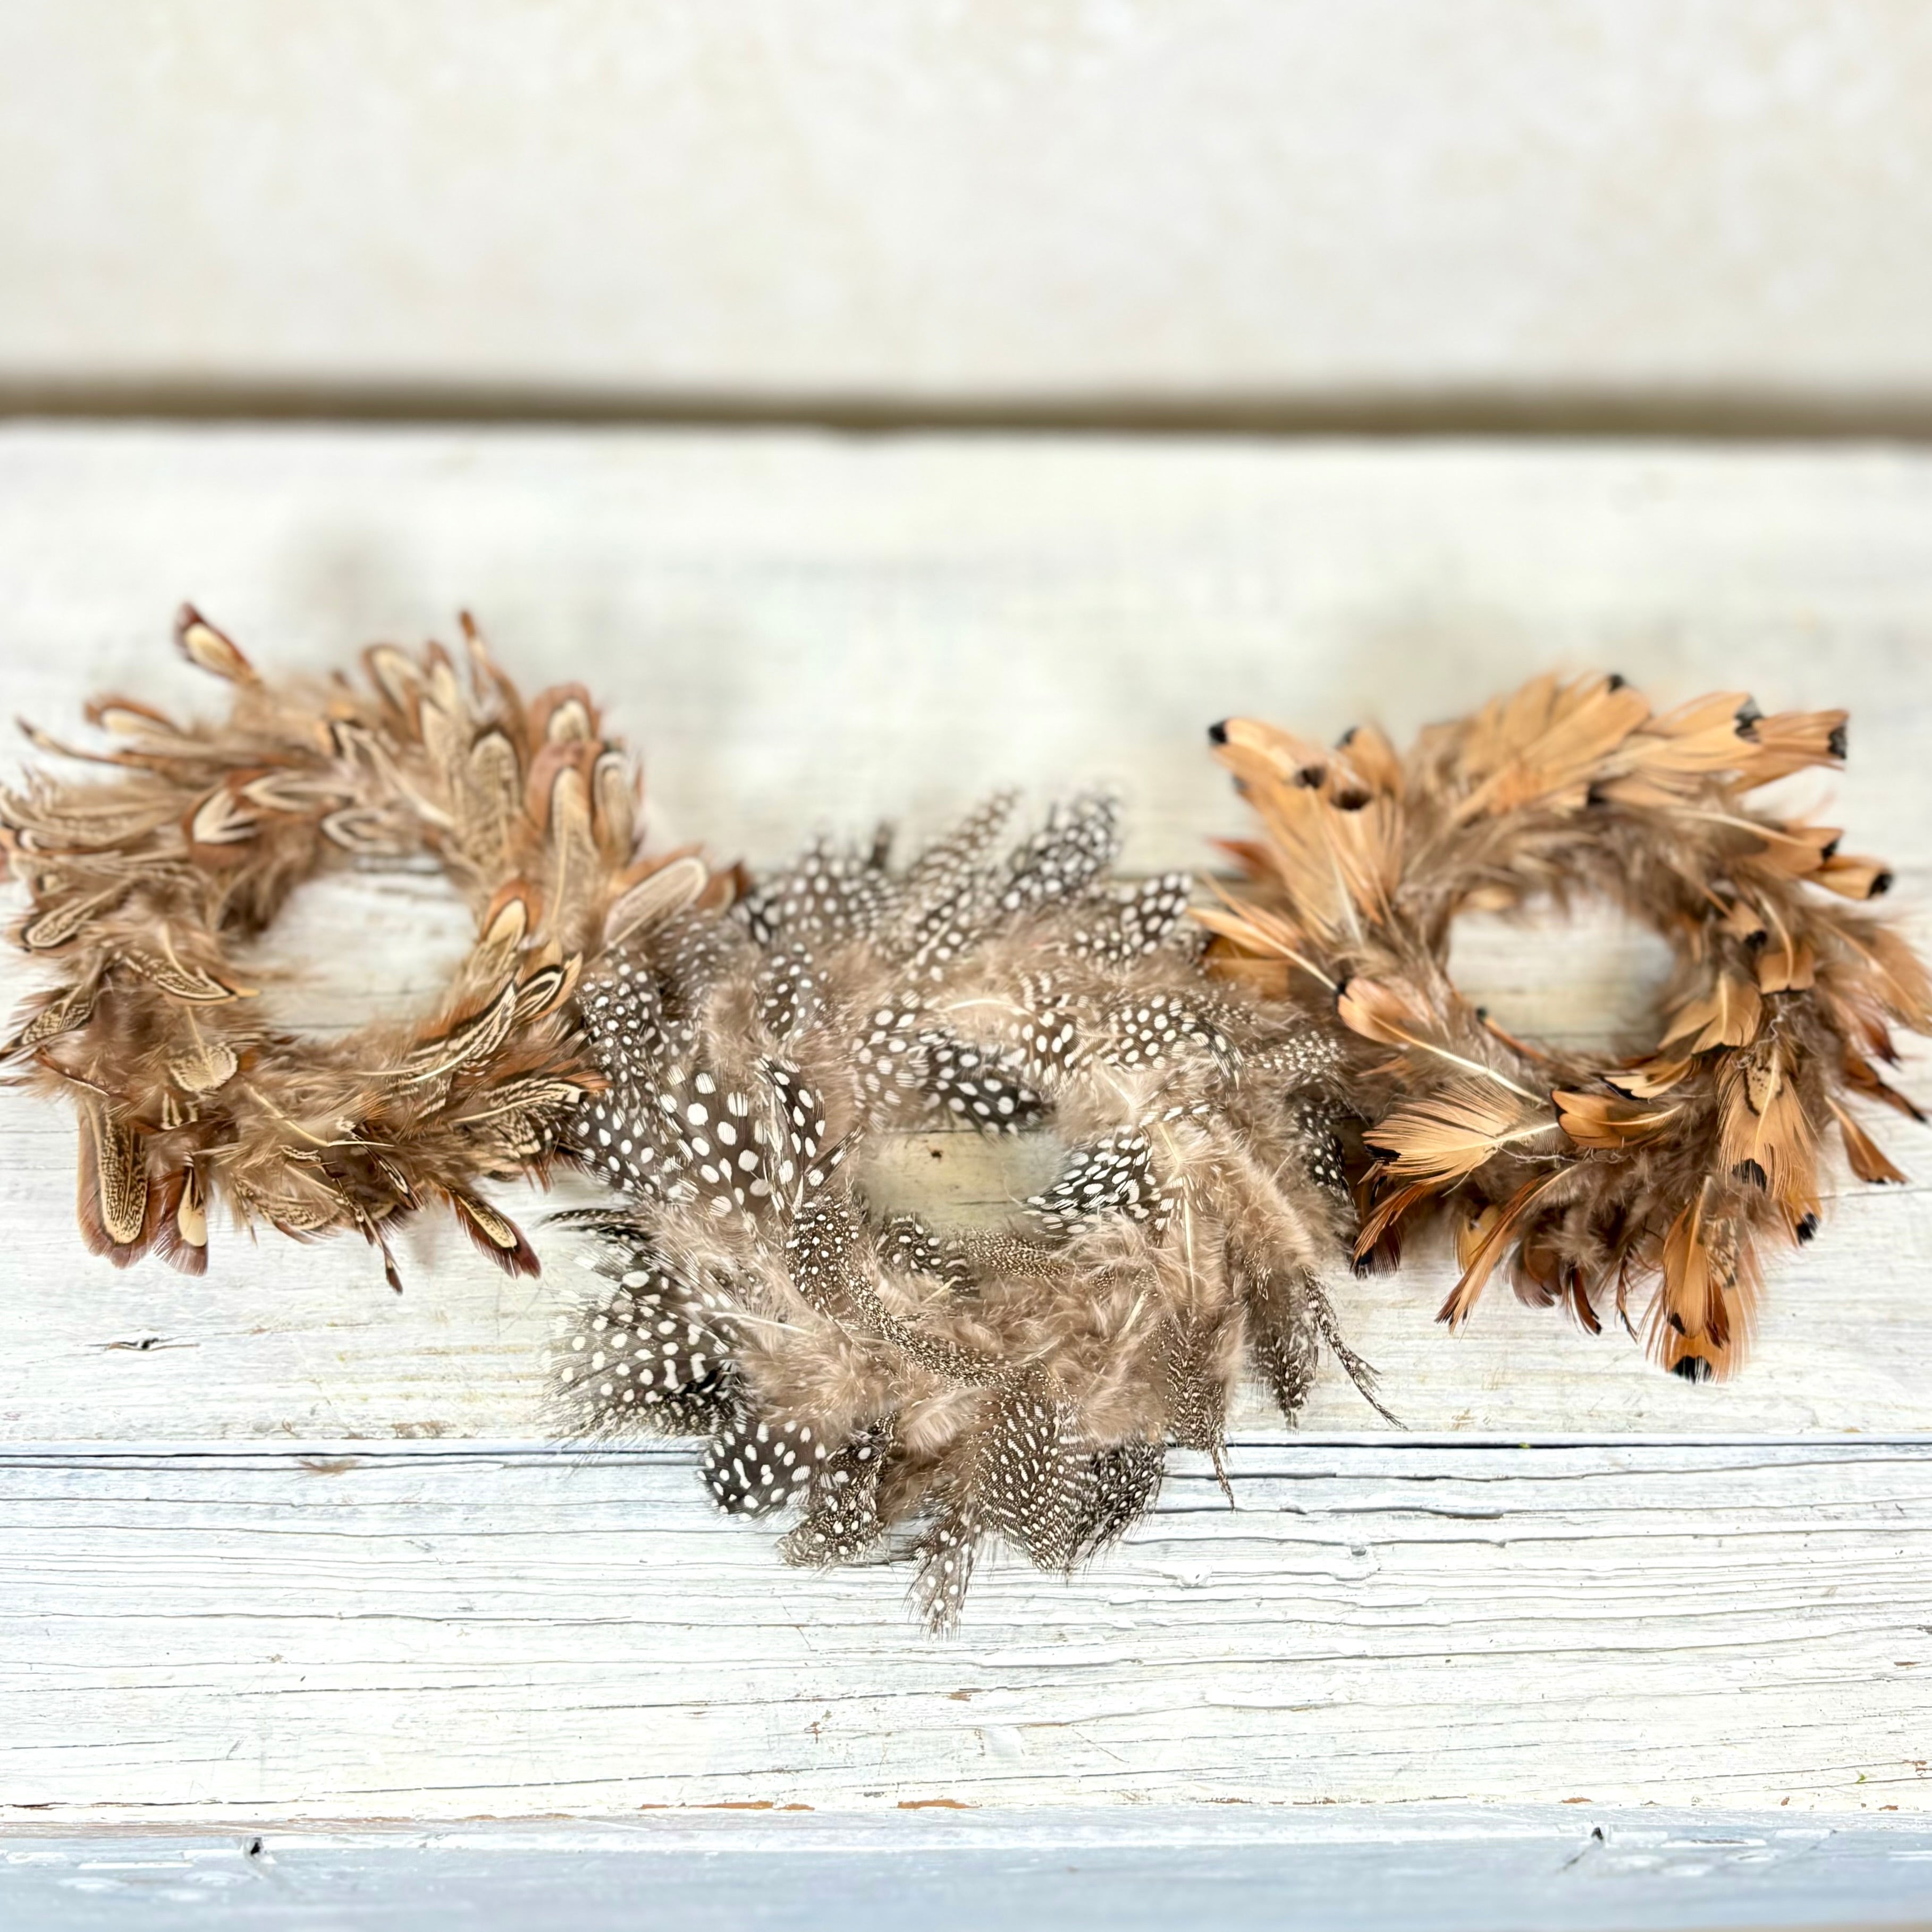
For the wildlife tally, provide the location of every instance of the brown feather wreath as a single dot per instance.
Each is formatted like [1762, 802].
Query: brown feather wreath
[186, 1096]
[1589, 1178]
[915, 1392]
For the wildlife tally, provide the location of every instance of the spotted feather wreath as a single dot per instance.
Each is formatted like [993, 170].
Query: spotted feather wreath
[140, 884]
[1670, 1167]
[914, 1392]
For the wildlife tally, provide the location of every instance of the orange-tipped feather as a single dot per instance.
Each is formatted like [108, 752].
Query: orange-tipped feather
[1784, 1000]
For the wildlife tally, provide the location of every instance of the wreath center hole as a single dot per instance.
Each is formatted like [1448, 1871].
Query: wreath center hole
[352, 947]
[1590, 979]
[953, 1178]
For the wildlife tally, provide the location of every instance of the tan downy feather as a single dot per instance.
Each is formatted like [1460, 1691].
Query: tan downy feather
[1386, 1212]
[1764, 1135]
[113, 1184]
[660, 895]
[1700, 1321]
[1395, 1017]
[1491, 1245]
[1854, 878]
[1447, 1134]
[1787, 965]
[1647, 1079]
[1605, 1121]
[1864, 1078]
[1728, 1013]
[1869, 1161]
[1792, 742]
[1548, 745]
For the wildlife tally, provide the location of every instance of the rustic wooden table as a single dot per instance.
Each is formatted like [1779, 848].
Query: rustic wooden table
[282, 1554]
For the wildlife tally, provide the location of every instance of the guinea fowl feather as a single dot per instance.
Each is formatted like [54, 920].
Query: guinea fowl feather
[914, 1390]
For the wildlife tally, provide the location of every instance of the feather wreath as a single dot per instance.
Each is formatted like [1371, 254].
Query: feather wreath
[1673, 1167]
[186, 1096]
[917, 1393]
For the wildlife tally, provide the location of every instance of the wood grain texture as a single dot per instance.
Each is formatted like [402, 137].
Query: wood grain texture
[1033, 198]
[433, 1632]
[1393, 1869]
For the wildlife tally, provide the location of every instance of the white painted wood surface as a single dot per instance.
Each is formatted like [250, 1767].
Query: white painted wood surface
[798, 629]
[1058, 199]
[451, 1631]
[303, 1554]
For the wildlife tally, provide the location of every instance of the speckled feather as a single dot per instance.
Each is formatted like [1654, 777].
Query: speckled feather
[959, 1388]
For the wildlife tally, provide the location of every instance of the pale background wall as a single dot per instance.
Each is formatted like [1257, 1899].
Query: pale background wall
[1289, 201]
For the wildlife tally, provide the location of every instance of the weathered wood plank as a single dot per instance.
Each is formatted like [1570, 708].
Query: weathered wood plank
[800, 630]
[276, 1341]
[431, 1632]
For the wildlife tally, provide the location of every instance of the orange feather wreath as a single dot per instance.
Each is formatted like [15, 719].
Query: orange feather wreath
[1674, 1166]
[139, 885]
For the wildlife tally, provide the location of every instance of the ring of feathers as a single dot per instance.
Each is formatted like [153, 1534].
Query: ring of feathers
[1670, 1167]
[138, 884]
[915, 1393]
